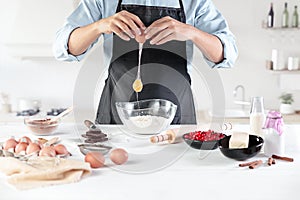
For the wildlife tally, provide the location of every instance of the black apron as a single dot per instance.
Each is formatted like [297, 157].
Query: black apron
[163, 70]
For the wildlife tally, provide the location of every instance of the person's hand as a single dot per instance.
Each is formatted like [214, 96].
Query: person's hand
[166, 29]
[124, 24]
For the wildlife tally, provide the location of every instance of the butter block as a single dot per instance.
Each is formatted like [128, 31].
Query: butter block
[239, 140]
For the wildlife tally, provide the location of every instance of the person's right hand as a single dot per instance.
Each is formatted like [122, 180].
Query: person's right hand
[124, 24]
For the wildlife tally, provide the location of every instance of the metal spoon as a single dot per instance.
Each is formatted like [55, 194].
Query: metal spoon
[138, 84]
[91, 125]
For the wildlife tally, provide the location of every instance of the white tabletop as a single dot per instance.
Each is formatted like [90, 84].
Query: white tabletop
[167, 172]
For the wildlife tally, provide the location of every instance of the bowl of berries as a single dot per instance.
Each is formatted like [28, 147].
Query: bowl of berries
[204, 140]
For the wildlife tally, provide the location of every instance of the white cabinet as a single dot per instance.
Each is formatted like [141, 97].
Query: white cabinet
[28, 27]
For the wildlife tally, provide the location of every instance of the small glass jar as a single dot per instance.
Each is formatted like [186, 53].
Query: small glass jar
[274, 137]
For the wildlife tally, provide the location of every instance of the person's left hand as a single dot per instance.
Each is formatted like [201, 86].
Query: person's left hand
[166, 29]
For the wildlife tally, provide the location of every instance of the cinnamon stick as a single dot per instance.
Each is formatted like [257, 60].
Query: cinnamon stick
[271, 161]
[283, 158]
[256, 164]
[247, 164]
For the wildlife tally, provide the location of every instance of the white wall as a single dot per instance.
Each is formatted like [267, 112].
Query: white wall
[255, 44]
[46, 80]
[53, 82]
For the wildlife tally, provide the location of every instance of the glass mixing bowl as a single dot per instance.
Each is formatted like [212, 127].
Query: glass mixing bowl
[150, 116]
[41, 125]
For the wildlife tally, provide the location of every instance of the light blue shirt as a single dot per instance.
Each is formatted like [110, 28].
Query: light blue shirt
[202, 14]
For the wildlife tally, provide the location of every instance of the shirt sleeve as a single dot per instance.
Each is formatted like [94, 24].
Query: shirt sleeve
[87, 12]
[210, 20]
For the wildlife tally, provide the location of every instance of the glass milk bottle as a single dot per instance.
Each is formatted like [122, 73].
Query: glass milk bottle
[257, 116]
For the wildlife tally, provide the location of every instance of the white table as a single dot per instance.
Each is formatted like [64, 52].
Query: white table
[188, 174]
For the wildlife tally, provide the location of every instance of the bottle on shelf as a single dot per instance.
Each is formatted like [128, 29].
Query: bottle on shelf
[295, 19]
[285, 16]
[270, 20]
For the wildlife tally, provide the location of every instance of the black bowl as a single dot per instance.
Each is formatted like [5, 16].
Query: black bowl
[254, 147]
[203, 145]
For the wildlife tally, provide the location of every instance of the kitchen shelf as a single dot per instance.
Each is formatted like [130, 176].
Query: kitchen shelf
[282, 29]
[284, 71]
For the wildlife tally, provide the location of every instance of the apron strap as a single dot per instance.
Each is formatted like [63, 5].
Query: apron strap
[119, 6]
[182, 10]
[181, 4]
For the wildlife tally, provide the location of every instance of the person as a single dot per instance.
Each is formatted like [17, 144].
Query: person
[168, 30]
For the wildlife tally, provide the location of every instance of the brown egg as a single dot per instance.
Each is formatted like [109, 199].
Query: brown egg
[10, 144]
[60, 149]
[47, 151]
[33, 147]
[96, 159]
[25, 139]
[118, 156]
[22, 146]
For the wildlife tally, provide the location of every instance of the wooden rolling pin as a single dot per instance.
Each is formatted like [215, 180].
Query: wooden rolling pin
[171, 136]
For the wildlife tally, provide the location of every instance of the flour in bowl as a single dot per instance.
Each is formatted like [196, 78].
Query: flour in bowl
[148, 121]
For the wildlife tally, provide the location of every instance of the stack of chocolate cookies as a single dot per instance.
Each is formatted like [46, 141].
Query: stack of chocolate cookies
[94, 134]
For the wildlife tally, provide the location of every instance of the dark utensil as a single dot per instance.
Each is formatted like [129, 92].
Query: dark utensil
[203, 145]
[254, 147]
[207, 145]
